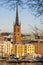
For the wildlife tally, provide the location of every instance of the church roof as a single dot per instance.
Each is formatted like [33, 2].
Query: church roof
[17, 18]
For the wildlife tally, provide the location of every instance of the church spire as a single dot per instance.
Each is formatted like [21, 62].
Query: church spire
[17, 19]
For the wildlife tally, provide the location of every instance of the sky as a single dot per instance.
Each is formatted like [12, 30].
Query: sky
[27, 19]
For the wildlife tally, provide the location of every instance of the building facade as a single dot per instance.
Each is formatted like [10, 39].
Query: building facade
[1, 48]
[7, 47]
[38, 46]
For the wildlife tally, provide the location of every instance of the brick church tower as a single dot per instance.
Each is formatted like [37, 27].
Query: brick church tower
[17, 29]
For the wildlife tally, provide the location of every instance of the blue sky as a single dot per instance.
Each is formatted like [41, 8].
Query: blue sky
[7, 17]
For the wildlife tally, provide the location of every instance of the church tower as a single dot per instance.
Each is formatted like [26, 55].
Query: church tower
[17, 29]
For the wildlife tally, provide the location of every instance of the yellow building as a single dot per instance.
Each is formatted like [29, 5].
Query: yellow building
[23, 50]
[1, 48]
[30, 48]
[19, 50]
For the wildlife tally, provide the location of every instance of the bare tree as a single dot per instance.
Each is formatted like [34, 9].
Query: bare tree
[36, 5]
[11, 4]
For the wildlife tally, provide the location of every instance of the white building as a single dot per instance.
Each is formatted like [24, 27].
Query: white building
[7, 47]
